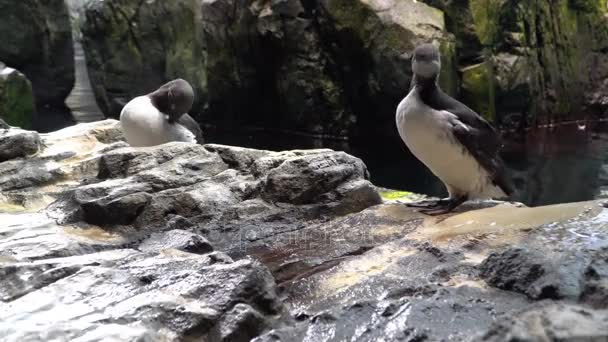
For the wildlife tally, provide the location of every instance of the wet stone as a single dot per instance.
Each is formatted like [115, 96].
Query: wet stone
[184, 293]
[217, 243]
[178, 239]
[551, 322]
[240, 324]
[17, 143]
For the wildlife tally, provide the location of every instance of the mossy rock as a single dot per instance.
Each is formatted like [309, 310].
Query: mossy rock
[372, 42]
[589, 6]
[486, 15]
[16, 98]
[130, 52]
[477, 89]
[37, 40]
[448, 78]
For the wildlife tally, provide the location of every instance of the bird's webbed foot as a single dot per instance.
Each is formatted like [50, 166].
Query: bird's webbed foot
[445, 207]
[428, 204]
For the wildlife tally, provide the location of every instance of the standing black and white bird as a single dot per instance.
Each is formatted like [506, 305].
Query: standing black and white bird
[161, 116]
[454, 142]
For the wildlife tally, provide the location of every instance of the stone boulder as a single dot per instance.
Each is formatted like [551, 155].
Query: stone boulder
[17, 143]
[16, 98]
[38, 42]
[561, 322]
[124, 294]
[186, 186]
[138, 231]
[130, 51]
[102, 241]
[235, 196]
[61, 156]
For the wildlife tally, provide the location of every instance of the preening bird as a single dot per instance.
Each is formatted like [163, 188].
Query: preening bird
[161, 116]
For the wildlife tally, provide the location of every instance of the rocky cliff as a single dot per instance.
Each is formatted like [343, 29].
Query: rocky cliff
[37, 40]
[102, 241]
[525, 62]
[323, 68]
[339, 68]
[130, 50]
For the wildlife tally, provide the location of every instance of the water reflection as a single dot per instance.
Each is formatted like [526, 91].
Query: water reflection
[562, 164]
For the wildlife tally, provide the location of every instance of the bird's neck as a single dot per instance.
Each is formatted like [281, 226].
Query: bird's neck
[425, 86]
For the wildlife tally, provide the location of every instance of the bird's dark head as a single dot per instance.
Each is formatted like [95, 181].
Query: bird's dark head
[426, 61]
[174, 98]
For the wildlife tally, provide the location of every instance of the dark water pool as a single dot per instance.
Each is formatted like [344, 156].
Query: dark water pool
[564, 164]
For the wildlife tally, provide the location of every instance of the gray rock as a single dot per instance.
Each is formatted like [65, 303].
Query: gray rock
[122, 255]
[71, 152]
[237, 157]
[520, 270]
[547, 274]
[302, 180]
[150, 187]
[16, 98]
[551, 322]
[164, 296]
[178, 239]
[241, 324]
[17, 143]
[39, 43]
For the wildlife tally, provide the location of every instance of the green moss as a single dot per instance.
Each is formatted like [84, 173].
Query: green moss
[353, 15]
[486, 15]
[16, 100]
[184, 57]
[359, 18]
[448, 79]
[391, 195]
[478, 89]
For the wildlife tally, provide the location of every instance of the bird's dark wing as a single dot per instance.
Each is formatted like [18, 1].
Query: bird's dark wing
[476, 135]
[191, 124]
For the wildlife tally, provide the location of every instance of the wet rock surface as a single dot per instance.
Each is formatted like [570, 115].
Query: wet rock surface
[460, 279]
[15, 143]
[181, 241]
[558, 322]
[138, 251]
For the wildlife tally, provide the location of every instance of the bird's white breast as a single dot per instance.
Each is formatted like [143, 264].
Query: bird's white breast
[427, 133]
[144, 125]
